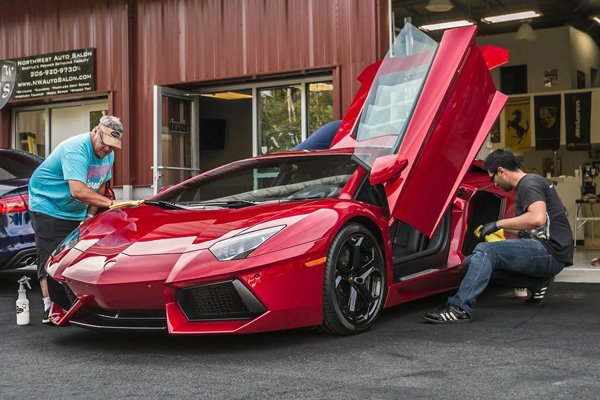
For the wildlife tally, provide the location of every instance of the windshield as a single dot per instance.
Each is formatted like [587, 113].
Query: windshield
[270, 179]
[394, 94]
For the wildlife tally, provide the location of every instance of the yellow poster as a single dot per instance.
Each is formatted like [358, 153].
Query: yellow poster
[517, 125]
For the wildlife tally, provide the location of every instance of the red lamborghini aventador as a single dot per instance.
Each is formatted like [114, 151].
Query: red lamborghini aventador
[325, 238]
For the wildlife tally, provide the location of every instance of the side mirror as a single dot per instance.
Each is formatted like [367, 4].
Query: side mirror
[386, 168]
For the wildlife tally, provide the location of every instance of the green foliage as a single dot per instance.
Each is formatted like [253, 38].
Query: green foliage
[320, 109]
[280, 116]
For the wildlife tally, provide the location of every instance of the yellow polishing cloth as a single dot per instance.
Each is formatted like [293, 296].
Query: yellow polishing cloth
[126, 203]
[492, 237]
[495, 236]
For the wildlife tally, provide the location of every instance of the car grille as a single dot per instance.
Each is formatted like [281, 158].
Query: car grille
[70, 294]
[61, 294]
[223, 300]
[121, 320]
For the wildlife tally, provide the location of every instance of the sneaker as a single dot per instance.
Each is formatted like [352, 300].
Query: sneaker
[46, 317]
[521, 294]
[538, 294]
[448, 314]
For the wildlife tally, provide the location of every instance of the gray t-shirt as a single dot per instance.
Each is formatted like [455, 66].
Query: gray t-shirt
[556, 234]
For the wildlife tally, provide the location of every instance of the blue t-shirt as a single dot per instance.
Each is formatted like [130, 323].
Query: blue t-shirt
[73, 159]
[321, 138]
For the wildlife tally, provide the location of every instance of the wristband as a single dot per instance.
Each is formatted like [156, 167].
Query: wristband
[90, 215]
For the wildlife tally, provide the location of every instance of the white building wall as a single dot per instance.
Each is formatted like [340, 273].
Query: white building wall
[585, 55]
[552, 49]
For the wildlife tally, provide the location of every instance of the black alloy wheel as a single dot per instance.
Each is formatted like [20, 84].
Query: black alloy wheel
[354, 281]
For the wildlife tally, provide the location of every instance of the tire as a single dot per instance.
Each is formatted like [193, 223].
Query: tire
[354, 283]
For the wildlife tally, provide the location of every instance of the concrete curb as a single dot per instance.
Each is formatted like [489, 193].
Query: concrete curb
[579, 275]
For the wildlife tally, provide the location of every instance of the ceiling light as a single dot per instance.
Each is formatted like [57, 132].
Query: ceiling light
[446, 25]
[439, 6]
[525, 32]
[596, 19]
[511, 17]
[227, 95]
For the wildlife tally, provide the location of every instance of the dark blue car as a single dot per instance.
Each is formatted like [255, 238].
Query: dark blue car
[17, 244]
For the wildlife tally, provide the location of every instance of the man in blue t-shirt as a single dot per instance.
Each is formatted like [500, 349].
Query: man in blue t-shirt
[68, 188]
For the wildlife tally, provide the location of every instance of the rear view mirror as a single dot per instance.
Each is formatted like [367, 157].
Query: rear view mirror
[386, 168]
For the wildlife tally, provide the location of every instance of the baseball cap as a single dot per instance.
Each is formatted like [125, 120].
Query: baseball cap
[110, 136]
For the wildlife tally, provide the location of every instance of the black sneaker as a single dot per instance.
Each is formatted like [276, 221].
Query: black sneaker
[448, 314]
[537, 295]
[46, 317]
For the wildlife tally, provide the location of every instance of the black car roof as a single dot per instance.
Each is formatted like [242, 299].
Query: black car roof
[21, 153]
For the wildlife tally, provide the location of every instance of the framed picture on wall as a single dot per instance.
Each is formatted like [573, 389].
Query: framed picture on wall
[550, 77]
[552, 166]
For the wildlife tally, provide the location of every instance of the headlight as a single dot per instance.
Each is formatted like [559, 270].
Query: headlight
[242, 245]
[69, 242]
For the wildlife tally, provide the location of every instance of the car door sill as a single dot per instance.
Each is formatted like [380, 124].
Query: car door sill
[417, 274]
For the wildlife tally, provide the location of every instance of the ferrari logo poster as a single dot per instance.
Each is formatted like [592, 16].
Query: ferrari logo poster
[516, 121]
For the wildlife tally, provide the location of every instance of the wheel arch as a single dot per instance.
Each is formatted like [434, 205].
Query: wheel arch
[371, 226]
[383, 240]
[335, 320]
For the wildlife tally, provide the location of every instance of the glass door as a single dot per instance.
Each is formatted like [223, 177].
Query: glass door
[175, 137]
[31, 131]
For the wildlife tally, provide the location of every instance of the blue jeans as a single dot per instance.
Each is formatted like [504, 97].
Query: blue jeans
[525, 257]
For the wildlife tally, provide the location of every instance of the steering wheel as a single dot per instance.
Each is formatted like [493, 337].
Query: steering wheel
[314, 192]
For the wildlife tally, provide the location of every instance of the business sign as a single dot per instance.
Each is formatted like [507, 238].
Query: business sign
[8, 75]
[54, 74]
[176, 127]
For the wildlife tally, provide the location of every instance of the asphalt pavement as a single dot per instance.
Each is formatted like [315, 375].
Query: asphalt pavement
[511, 351]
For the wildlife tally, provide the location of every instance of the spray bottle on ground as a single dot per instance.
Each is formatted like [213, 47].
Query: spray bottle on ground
[22, 302]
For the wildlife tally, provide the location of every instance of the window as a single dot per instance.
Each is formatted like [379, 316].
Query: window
[39, 129]
[280, 118]
[288, 114]
[293, 178]
[31, 131]
[320, 105]
[513, 79]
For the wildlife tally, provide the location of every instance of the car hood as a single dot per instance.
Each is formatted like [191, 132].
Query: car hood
[148, 230]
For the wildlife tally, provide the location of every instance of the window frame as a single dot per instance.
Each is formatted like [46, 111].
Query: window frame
[47, 108]
[304, 83]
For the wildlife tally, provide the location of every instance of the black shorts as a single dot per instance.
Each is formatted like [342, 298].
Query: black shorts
[49, 233]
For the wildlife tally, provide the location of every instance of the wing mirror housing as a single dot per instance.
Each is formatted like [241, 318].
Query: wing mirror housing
[386, 168]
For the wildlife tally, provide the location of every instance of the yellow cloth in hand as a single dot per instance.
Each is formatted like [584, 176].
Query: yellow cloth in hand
[126, 203]
[495, 236]
[492, 237]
